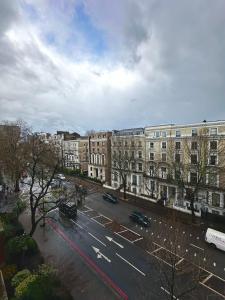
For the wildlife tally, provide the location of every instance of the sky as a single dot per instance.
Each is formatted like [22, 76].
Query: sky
[79, 65]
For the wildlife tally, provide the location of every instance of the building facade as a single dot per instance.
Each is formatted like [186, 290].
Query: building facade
[128, 156]
[186, 164]
[71, 154]
[99, 166]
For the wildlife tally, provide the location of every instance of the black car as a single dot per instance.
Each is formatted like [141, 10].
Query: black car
[109, 197]
[140, 219]
[68, 209]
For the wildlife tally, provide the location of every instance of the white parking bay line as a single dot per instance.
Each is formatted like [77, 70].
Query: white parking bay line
[132, 231]
[98, 216]
[96, 239]
[77, 224]
[97, 222]
[168, 293]
[140, 238]
[121, 231]
[142, 273]
[197, 247]
[122, 237]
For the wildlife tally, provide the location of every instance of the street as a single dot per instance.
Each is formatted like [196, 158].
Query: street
[116, 251]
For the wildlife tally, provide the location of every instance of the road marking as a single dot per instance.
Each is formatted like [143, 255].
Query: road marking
[140, 238]
[88, 261]
[168, 293]
[132, 231]
[155, 250]
[88, 207]
[77, 224]
[207, 278]
[106, 217]
[96, 239]
[179, 261]
[112, 240]
[142, 273]
[108, 222]
[97, 222]
[100, 254]
[197, 247]
[208, 287]
[96, 217]
[121, 231]
[123, 237]
[85, 211]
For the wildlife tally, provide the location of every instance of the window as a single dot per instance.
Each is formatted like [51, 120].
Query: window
[126, 143]
[151, 170]
[100, 170]
[213, 145]
[163, 172]
[134, 179]
[216, 199]
[212, 160]
[91, 168]
[140, 167]
[194, 146]
[178, 133]
[126, 154]
[164, 134]
[177, 157]
[213, 131]
[93, 143]
[164, 157]
[132, 143]
[139, 154]
[151, 156]
[126, 165]
[132, 154]
[151, 145]
[194, 132]
[115, 176]
[194, 159]
[93, 150]
[177, 145]
[133, 166]
[139, 144]
[212, 179]
[114, 164]
[163, 145]
[97, 143]
[193, 177]
[157, 134]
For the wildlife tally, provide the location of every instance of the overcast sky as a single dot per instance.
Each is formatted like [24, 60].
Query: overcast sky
[102, 64]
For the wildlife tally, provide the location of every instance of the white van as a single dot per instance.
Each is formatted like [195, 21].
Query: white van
[215, 238]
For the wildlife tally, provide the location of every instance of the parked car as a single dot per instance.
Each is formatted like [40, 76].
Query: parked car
[215, 238]
[109, 197]
[55, 183]
[61, 176]
[140, 219]
[69, 209]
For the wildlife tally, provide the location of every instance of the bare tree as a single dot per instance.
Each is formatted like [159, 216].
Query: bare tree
[42, 164]
[179, 274]
[13, 136]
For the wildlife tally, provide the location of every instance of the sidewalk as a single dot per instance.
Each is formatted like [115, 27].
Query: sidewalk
[82, 283]
[7, 205]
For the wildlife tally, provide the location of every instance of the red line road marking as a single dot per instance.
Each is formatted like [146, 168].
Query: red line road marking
[72, 244]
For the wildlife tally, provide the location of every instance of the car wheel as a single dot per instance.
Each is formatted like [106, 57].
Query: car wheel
[213, 245]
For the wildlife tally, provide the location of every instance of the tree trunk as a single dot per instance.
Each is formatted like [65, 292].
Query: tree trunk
[17, 186]
[33, 222]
